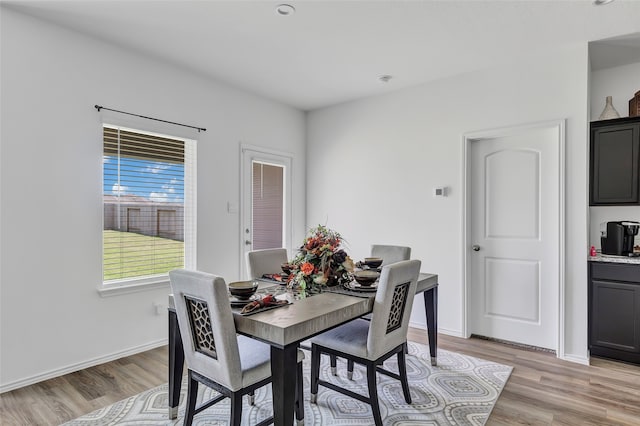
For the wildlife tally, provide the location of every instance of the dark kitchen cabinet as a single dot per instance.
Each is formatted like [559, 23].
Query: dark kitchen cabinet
[615, 162]
[614, 311]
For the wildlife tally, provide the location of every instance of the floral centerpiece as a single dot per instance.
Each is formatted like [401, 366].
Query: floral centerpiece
[320, 261]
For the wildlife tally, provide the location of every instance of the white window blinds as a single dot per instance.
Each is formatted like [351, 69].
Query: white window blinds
[147, 198]
[268, 205]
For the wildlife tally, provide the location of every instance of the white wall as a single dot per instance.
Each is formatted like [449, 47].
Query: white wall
[372, 165]
[621, 83]
[52, 318]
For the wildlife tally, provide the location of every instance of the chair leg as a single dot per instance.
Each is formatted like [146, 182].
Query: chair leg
[315, 371]
[334, 364]
[236, 409]
[373, 393]
[299, 395]
[402, 371]
[350, 369]
[192, 394]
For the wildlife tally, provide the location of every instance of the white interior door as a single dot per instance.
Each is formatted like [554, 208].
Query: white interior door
[266, 201]
[514, 241]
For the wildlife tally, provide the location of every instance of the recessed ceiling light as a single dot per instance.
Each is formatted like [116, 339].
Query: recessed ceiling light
[385, 78]
[285, 10]
[601, 2]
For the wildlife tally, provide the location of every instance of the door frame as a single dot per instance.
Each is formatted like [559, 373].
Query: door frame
[268, 156]
[478, 136]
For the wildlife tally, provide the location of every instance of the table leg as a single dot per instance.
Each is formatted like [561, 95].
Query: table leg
[431, 310]
[283, 367]
[176, 364]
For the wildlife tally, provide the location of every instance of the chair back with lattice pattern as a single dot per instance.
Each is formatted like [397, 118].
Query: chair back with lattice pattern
[392, 306]
[206, 325]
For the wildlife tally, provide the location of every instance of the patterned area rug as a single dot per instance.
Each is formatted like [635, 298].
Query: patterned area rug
[461, 390]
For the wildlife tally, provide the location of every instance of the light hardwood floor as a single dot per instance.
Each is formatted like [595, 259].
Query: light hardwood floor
[542, 390]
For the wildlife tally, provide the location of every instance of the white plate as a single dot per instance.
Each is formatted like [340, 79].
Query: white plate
[235, 302]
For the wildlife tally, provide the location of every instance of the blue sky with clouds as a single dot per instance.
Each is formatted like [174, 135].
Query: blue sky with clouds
[155, 180]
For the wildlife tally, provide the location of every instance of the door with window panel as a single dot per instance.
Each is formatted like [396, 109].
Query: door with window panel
[266, 202]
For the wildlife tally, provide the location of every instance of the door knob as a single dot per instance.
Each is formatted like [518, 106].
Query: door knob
[475, 247]
[247, 242]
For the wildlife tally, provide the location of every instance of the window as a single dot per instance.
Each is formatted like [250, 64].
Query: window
[149, 205]
[268, 205]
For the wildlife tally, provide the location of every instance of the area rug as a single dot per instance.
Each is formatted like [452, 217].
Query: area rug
[460, 390]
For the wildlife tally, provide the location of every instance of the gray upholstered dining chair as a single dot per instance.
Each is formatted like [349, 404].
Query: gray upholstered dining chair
[370, 343]
[265, 261]
[216, 356]
[390, 254]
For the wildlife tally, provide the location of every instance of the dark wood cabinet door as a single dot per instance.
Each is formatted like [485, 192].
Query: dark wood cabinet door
[615, 162]
[614, 311]
[616, 315]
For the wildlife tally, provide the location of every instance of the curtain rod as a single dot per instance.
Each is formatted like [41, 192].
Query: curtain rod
[199, 129]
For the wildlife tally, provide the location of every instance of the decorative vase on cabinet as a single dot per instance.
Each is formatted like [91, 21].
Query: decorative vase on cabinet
[609, 111]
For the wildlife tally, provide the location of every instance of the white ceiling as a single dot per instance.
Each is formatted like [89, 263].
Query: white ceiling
[330, 52]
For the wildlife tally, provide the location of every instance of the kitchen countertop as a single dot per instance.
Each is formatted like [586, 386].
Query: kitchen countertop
[614, 259]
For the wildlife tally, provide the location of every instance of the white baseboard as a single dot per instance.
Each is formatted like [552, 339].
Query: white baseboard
[448, 332]
[5, 387]
[454, 333]
[457, 333]
[418, 325]
[576, 358]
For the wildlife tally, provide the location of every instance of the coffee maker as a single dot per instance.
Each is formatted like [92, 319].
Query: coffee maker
[619, 237]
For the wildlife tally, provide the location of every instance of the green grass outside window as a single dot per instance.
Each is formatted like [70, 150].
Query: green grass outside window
[130, 255]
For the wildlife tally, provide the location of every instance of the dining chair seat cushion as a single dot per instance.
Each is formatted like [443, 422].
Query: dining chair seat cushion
[255, 360]
[350, 338]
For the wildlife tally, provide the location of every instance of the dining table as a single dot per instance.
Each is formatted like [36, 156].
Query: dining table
[285, 327]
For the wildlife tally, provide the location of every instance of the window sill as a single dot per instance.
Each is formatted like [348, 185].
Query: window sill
[134, 286]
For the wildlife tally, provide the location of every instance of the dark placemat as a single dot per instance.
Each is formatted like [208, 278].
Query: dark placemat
[348, 292]
[265, 308]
